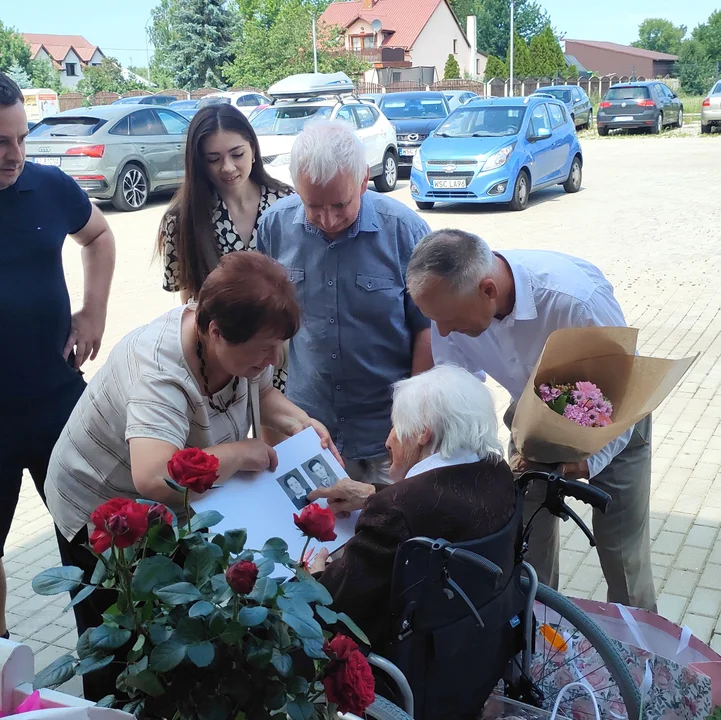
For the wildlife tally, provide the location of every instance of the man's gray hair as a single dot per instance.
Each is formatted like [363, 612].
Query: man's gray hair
[458, 257]
[454, 405]
[326, 148]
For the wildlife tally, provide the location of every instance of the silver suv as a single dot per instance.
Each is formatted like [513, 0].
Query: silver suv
[121, 153]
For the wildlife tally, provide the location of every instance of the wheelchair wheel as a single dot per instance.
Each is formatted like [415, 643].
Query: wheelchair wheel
[570, 647]
[382, 709]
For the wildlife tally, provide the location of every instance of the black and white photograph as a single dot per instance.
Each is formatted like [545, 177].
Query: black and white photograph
[319, 472]
[295, 487]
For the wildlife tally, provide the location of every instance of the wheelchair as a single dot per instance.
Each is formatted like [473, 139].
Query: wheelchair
[469, 622]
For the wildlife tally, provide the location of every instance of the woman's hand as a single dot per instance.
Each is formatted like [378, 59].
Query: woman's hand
[296, 425]
[255, 455]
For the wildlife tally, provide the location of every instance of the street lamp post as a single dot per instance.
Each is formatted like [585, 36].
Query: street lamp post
[510, 64]
[315, 49]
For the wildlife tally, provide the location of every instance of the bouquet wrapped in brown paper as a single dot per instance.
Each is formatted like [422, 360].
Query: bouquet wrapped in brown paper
[605, 356]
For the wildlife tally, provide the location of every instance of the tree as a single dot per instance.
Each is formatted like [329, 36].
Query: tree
[660, 35]
[495, 68]
[142, 72]
[452, 70]
[695, 69]
[494, 23]
[547, 58]
[20, 76]
[200, 43]
[162, 33]
[44, 75]
[521, 58]
[13, 49]
[709, 35]
[106, 77]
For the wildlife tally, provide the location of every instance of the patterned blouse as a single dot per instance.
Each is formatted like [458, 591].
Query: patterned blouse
[228, 239]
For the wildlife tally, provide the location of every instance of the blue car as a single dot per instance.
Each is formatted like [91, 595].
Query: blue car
[498, 151]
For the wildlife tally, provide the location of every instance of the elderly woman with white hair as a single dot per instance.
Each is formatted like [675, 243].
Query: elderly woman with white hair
[451, 482]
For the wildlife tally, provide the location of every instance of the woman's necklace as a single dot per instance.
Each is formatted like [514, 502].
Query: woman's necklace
[206, 387]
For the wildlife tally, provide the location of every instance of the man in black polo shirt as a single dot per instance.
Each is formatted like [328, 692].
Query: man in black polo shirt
[43, 345]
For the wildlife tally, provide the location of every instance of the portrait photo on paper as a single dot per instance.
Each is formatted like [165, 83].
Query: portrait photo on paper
[295, 487]
[319, 472]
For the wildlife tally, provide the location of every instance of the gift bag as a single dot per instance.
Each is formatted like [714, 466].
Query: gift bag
[605, 356]
[75, 713]
[685, 674]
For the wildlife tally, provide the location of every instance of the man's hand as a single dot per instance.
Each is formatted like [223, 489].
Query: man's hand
[86, 333]
[345, 496]
[574, 471]
[319, 561]
[256, 456]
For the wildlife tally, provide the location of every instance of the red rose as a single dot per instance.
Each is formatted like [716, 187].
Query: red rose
[348, 680]
[120, 521]
[241, 576]
[316, 522]
[193, 469]
[159, 512]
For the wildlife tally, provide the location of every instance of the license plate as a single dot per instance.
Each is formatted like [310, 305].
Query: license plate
[409, 152]
[623, 118]
[48, 161]
[449, 184]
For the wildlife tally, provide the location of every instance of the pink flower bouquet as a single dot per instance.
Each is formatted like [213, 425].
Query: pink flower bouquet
[582, 402]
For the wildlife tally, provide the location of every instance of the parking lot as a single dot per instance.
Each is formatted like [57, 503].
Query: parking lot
[649, 215]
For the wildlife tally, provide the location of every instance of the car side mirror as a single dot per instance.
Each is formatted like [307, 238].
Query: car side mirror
[542, 134]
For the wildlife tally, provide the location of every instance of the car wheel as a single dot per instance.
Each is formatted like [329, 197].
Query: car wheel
[602, 131]
[679, 123]
[424, 205]
[132, 189]
[573, 183]
[521, 191]
[657, 129]
[386, 181]
[705, 129]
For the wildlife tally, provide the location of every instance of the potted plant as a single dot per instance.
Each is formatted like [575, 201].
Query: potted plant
[203, 628]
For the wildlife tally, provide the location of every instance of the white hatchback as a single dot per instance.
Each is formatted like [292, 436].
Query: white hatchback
[278, 125]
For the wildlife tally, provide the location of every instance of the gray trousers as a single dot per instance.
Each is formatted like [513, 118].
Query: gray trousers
[622, 533]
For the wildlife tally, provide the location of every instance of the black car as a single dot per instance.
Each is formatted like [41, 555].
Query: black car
[414, 115]
[651, 105]
[575, 99]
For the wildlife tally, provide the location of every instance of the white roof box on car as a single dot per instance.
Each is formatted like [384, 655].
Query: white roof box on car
[307, 85]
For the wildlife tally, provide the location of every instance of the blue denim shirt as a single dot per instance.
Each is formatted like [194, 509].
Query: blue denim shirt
[359, 321]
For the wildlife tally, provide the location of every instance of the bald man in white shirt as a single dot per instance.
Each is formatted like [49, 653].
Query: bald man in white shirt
[492, 313]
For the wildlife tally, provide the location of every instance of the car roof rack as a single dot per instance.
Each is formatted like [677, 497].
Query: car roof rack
[312, 85]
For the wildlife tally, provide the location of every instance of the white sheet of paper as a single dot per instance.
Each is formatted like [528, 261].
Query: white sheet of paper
[263, 503]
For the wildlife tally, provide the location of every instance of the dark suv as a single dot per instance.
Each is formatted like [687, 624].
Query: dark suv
[650, 105]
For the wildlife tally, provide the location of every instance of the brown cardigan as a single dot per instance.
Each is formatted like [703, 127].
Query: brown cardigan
[456, 503]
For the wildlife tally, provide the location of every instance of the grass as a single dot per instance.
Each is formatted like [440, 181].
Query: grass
[691, 104]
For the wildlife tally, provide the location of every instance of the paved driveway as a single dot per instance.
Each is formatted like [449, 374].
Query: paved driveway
[649, 216]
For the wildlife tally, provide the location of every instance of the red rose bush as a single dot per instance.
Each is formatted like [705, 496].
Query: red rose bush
[202, 626]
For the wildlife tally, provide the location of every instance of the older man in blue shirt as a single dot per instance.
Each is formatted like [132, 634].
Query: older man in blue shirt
[347, 251]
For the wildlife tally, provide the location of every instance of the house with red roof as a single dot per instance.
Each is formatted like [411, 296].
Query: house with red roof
[607, 58]
[69, 54]
[400, 36]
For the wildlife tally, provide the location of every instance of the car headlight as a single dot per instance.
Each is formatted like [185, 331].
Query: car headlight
[280, 160]
[499, 159]
[417, 163]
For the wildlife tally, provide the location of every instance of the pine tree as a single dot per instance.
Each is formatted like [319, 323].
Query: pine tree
[452, 70]
[20, 76]
[547, 58]
[521, 58]
[201, 43]
[695, 69]
[495, 68]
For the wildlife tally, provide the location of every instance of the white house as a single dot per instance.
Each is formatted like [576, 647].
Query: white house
[70, 54]
[406, 39]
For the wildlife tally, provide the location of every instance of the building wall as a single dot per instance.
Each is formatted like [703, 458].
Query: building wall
[435, 43]
[72, 81]
[97, 58]
[610, 62]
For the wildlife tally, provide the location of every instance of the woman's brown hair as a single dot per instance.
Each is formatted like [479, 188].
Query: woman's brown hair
[246, 294]
[195, 244]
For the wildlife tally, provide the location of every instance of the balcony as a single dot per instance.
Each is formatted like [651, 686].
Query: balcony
[393, 56]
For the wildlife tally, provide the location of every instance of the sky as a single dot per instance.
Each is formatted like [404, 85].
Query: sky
[118, 28]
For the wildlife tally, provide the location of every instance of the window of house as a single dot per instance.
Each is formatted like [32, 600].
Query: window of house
[71, 69]
[363, 42]
[369, 41]
[356, 42]
[455, 45]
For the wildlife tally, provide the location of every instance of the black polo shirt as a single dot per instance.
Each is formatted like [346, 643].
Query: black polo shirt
[39, 387]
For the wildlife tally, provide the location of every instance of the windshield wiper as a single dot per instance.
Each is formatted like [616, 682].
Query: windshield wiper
[446, 135]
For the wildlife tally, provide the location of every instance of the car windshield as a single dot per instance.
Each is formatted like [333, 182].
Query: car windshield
[66, 127]
[717, 89]
[128, 101]
[483, 122]
[413, 108]
[562, 95]
[287, 120]
[627, 93]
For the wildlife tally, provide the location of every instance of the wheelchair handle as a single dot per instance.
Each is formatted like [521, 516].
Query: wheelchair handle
[559, 487]
[478, 561]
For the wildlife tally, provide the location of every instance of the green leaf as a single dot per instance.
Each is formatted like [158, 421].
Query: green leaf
[219, 540]
[201, 609]
[265, 589]
[259, 655]
[178, 593]
[87, 590]
[217, 623]
[167, 656]
[161, 539]
[54, 581]
[351, 625]
[201, 654]
[297, 685]
[307, 588]
[276, 550]
[154, 572]
[205, 519]
[282, 662]
[299, 709]
[126, 620]
[55, 674]
[299, 615]
[313, 648]
[147, 682]
[235, 541]
[233, 633]
[100, 574]
[136, 652]
[159, 633]
[93, 662]
[82, 647]
[265, 567]
[174, 485]
[202, 562]
[135, 707]
[252, 616]
[105, 637]
[107, 702]
[189, 630]
[326, 614]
